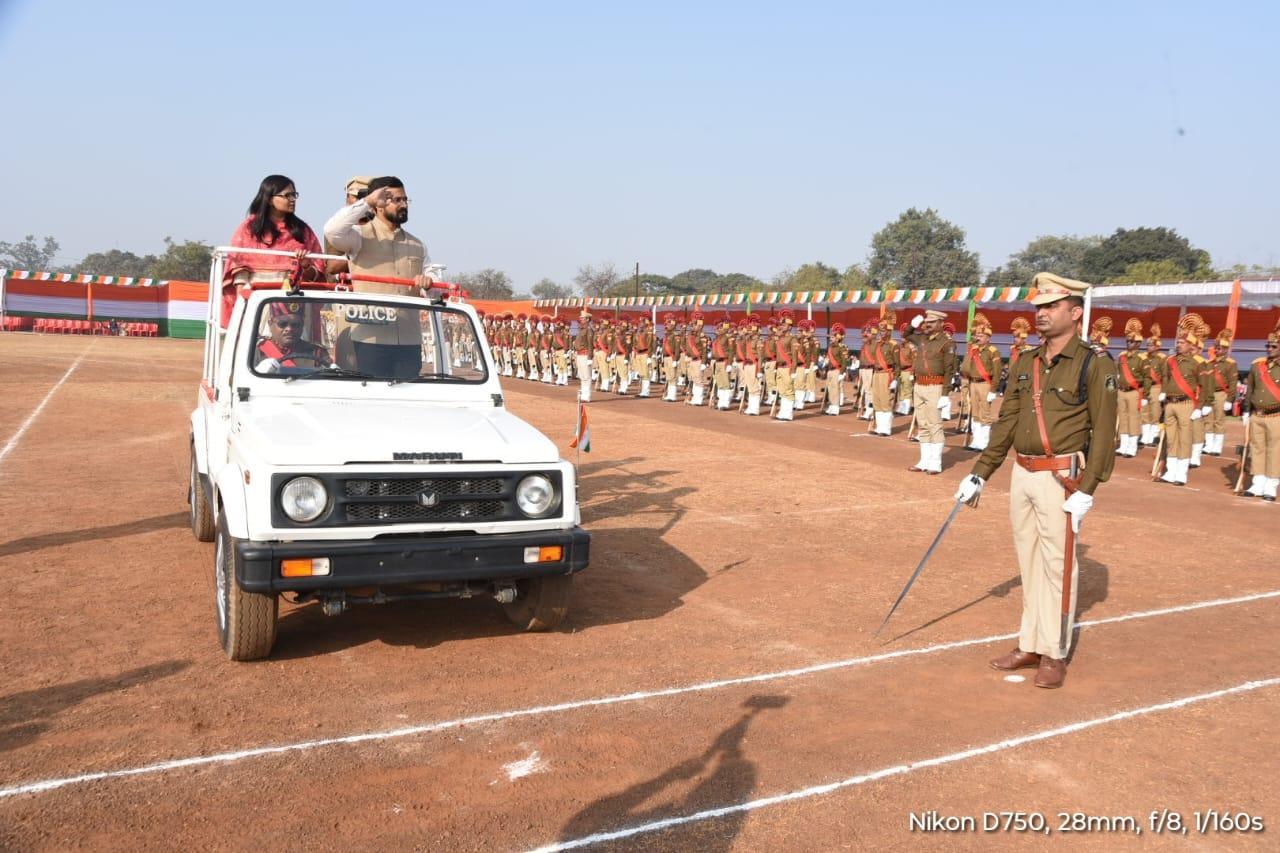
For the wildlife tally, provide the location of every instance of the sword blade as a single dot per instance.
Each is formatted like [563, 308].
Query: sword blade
[927, 554]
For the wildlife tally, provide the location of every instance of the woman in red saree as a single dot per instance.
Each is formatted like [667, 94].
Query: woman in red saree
[271, 224]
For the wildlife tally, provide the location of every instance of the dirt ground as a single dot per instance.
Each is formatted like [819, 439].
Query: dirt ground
[727, 553]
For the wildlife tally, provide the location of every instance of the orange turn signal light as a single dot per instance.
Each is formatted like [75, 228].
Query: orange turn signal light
[550, 554]
[305, 567]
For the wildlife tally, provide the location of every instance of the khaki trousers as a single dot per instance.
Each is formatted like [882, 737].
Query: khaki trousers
[640, 365]
[1039, 538]
[782, 381]
[867, 375]
[582, 364]
[881, 397]
[1177, 429]
[682, 367]
[750, 378]
[1130, 415]
[928, 419]
[517, 353]
[811, 380]
[835, 379]
[695, 372]
[722, 375]
[669, 370]
[602, 365]
[1264, 445]
[1218, 419]
[979, 408]
[1152, 414]
[1197, 430]
[620, 367]
[770, 377]
[906, 383]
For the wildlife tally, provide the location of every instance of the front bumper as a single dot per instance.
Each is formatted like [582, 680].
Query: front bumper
[421, 559]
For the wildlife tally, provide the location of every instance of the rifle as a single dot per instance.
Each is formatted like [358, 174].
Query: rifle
[1159, 461]
[911, 428]
[1244, 459]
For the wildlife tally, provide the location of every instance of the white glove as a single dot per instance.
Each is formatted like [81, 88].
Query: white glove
[916, 321]
[991, 396]
[1226, 407]
[268, 365]
[1245, 419]
[1206, 411]
[1078, 504]
[1197, 414]
[1162, 396]
[944, 402]
[893, 386]
[1143, 403]
[969, 488]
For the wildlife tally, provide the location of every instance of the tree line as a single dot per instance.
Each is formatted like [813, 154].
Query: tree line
[920, 249]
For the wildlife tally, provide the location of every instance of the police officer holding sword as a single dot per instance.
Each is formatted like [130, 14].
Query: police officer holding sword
[1059, 417]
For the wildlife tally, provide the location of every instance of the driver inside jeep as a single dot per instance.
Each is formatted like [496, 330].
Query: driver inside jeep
[286, 347]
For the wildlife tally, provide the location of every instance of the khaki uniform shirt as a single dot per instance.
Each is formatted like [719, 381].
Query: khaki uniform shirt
[935, 354]
[1137, 364]
[383, 252]
[1225, 374]
[1258, 397]
[1192, 370]
[991, 361]
[1072, 425]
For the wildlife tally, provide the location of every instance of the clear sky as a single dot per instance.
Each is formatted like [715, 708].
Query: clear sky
[743, 137]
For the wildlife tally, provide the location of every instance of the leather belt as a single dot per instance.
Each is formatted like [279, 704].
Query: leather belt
[1268, 411]
[925, 379]
[1176, 398]
[1044, 463]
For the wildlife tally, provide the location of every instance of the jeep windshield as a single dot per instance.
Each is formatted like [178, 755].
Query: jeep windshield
[347, 337]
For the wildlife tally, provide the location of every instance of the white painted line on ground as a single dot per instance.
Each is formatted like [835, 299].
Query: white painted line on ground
[544, 710]
[17, 436]
[902, 769]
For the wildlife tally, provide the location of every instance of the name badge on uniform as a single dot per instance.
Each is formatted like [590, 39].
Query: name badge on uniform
[1023, 376]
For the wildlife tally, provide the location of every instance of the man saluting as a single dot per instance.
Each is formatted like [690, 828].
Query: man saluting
[1059, 410]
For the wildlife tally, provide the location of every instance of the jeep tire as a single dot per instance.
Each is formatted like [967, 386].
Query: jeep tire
[201, 513]
[246, 620]
[541, 603]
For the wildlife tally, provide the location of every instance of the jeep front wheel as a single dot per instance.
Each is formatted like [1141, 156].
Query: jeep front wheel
[201, 514]
[246, 620]
[541, 603]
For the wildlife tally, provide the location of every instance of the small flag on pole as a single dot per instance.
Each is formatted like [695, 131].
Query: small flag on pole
[582, 431]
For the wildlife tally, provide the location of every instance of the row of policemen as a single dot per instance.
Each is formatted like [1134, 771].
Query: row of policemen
[779, 362]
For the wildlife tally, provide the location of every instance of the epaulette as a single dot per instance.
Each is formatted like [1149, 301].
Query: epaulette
[1200, 359]
[1260, 360]
[993, 349]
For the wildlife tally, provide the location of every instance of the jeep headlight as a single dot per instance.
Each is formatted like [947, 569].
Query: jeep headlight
[304, 499]
[535, 495]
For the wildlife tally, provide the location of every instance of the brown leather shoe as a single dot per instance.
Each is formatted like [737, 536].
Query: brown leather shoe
[1016, 659]
[1052, 672]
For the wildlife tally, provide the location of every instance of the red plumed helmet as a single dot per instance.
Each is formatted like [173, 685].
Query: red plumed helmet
[949, 327]
[695, 316]
[522, 317]
[837, 329]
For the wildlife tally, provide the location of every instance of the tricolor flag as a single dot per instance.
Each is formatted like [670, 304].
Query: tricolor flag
[582, 430]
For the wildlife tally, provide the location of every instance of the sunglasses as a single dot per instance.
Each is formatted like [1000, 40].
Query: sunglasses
[289, 324]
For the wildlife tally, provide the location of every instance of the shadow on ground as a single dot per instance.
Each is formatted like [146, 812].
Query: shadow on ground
[93, 534]
[23, 716]
[720, 776]
[634, 575]
[1092, 588]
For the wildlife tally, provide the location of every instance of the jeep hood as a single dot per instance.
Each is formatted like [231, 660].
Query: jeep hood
[338, 432]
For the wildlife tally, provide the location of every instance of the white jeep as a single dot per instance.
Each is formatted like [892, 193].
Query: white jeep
[353, 448]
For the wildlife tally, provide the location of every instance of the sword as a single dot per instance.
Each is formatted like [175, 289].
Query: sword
[1068, 570]
[927, 554]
